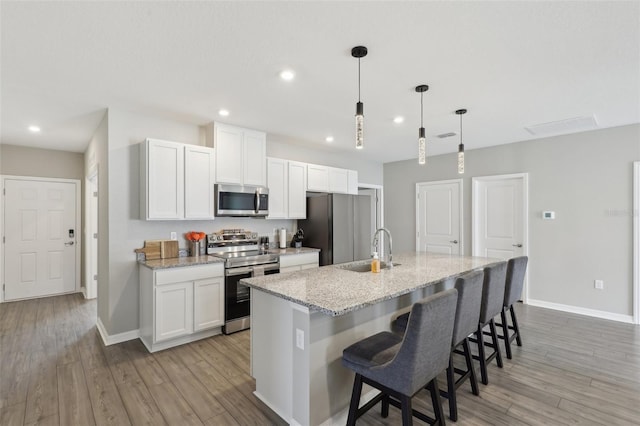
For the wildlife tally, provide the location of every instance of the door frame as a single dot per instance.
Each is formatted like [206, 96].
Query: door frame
[636, 242]
[475, 181]
[89, 291]
[380, 194]
[78, 225]
[460, 183]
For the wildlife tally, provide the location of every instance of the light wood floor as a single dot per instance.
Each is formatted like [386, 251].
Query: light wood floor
[54, 370]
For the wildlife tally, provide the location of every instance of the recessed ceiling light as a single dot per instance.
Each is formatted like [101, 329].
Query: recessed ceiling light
[287, 75]
[34, 129]
[223, 112]
[329, 139]
[399, 119]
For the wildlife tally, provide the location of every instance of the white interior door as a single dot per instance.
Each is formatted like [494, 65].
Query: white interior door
[439, 217]
[41, 234]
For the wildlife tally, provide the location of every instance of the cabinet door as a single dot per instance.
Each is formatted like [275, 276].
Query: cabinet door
[338, 180]
[199, 177]
[208, 303]
[277, 183]
[229, 147]
[173, 311]
[297, 188]
[255, 158]
[165, 180]
[317, 178]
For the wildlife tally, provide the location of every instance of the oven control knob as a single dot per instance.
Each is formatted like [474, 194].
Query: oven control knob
[254, 235]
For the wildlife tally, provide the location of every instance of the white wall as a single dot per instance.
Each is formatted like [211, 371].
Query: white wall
[586, 178]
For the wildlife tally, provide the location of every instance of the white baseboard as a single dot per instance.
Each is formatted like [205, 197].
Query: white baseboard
[116, 338]
[582, 311]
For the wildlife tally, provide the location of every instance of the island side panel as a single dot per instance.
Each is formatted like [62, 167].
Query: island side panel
[272, 351]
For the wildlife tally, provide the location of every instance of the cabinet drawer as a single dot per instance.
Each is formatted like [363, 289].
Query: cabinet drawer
[188, 273]
[298, 259]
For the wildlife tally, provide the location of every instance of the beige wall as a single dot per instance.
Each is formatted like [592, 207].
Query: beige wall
[586, 178]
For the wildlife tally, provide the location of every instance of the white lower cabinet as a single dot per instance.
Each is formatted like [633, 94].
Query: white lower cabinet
[180, 305]
[298, 262]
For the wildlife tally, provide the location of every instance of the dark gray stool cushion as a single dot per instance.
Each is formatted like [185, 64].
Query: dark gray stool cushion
[422, 353]
[516, 269]
[469, 288]
[493, 291]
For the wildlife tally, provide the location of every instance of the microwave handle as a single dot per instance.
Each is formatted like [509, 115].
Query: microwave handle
[256, 202]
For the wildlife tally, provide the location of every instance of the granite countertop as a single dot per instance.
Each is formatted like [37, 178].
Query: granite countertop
[179, 262]
[289, 250]
[337, 291]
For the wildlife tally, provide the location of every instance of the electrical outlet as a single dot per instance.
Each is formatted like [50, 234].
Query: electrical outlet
[300, 339]
[174, 236]
[598, 284]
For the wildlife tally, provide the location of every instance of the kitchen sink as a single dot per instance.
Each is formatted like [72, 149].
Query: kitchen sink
[364, 266]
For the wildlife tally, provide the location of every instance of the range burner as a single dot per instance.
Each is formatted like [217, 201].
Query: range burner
[239, 248]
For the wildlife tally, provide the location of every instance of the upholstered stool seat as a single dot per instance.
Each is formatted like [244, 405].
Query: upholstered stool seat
[401, 366]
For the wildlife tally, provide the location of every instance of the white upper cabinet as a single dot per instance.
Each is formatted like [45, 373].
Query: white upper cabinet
[338, 180]
[176, 181]
[240, 155]
[287, 181]
[277, 181]
[297, 190]
[353, 182]
[199, 180]
[317, 178]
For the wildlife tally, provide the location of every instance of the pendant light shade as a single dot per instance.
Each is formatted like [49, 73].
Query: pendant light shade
[422, 140]
[359, 52]
[460, 112]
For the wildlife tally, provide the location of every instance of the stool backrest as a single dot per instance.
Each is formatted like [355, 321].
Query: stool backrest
[516, 269]
[426, 346]
[493, 291]
[469, 288]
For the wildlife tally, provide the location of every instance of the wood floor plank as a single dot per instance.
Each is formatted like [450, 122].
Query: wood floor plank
[141, 407]
[42, 394]
[108, 408]
[14, 370]
[203, 402]
[222, 419]
[73, 405]
[174, 408]
[52, 420]
[12, 415]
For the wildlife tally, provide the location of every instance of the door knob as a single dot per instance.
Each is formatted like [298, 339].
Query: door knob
[454, 241]
[70, 243]
[516, 245]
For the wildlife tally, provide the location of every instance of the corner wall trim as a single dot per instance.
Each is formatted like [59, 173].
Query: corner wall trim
[116, 338]
[582, 311]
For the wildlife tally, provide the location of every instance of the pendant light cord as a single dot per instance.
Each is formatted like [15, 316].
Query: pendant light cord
[460, 129]
[358, 79]
[421, 112]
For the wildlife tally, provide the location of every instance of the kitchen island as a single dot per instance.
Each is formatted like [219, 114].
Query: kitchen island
[302, 321]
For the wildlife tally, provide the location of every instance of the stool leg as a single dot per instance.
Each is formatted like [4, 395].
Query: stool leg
[481, 356]
[505, 333]
[385, 406]
[451, 391]
[438, 414]
[469, 359]
[407, 411]
[355, 400]
[494, 336]
[515, 325]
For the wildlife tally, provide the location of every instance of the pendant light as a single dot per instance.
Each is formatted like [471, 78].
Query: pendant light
[460, 112]
[359, 52]
[422, 141]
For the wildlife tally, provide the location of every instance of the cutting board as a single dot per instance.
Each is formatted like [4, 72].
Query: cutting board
[151, 249]
[168, 249]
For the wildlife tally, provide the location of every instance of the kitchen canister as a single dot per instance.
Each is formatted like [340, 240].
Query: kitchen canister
[194, 248]
[282, 239]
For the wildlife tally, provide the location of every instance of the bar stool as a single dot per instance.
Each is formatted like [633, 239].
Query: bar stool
[469, 288]
[492, 299]
[400, 366]
[516, 268]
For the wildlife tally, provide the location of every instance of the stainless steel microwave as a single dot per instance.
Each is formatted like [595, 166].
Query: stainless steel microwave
[241, 201]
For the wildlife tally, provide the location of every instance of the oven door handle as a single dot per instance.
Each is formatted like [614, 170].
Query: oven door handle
[238, 271]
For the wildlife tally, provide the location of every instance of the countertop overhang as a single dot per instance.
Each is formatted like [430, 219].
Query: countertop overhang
[335, 291]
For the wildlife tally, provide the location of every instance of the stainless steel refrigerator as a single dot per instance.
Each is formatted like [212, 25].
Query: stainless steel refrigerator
[339, 225]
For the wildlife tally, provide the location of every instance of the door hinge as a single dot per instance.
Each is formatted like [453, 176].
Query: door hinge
[95, 193]
[3, 240]
[4, 191]
[95, 235]
[95, 277]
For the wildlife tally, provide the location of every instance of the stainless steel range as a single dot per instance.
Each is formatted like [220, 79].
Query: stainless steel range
[243, 257]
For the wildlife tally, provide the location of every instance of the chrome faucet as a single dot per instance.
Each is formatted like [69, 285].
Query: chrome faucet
[375, 243]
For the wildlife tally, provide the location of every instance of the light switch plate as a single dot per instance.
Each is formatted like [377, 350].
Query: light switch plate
[300, 339]
[174, 236]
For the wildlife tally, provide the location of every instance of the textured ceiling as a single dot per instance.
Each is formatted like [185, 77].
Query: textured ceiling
[511, 64]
